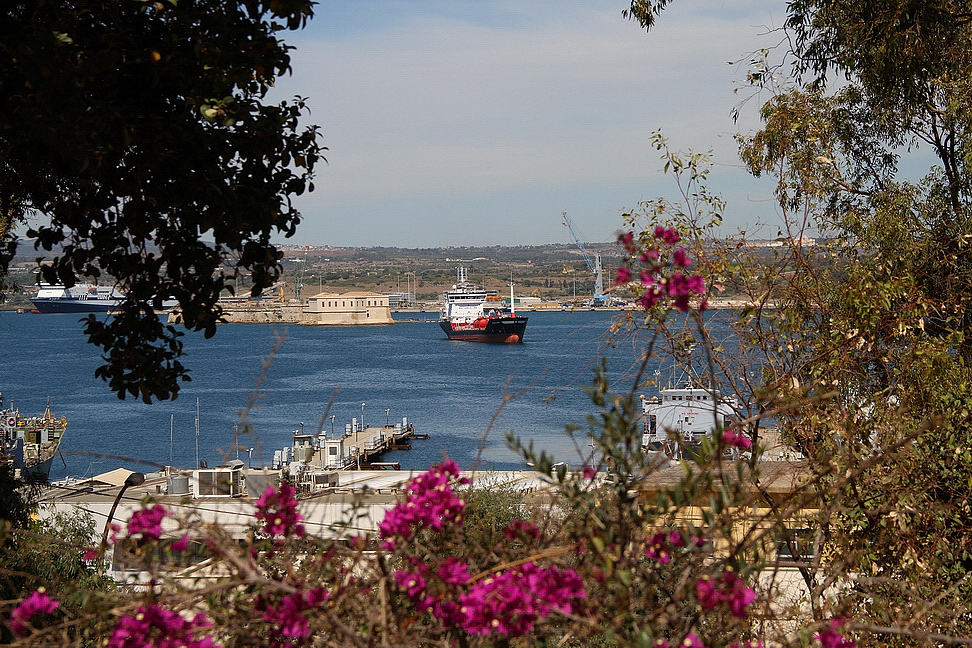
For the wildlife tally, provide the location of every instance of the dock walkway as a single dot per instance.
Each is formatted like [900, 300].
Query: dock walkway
[365, 447]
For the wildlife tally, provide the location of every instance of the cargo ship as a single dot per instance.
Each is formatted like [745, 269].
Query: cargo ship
[468, 314]
[30, 442]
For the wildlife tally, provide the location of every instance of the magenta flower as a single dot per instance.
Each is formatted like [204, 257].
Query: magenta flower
[520, 529]
[289, 614]
[453, 572]
[181, 544]
[413, 583]
[707, 593]
[668, 235]
[692, 640]
[590, 472]
[737, 595]
[147, 522]
[37, 603]
[510, 603]
[659, 549]
[736, 439]
[623, 275]
[651, 297]
[277, 509]
[155, 627]
[729, 588]
[429, 502]
[830, 638]
[680, 258]
[627, 240]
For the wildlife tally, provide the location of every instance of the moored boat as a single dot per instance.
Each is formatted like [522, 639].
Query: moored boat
[680, 415]
[77, 299]
[81, 299]
[469, 315]
[31, 442]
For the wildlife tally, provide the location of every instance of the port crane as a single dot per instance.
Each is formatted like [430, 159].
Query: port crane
[594, 265]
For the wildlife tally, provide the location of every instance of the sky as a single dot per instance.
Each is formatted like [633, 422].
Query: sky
[461, 123]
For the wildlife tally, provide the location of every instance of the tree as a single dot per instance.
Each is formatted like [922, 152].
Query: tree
[867, 358]
[140, 129]
[877, 322]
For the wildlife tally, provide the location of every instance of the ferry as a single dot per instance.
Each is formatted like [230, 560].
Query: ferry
[82, 299]
[468, 314]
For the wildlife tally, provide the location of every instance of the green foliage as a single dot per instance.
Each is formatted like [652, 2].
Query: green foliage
[49, 553]
[141, 131]
[16, 498]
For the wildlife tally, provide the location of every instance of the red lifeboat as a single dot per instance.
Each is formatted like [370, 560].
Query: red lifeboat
[480, 323]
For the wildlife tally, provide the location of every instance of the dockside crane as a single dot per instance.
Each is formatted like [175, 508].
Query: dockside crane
[593, 264]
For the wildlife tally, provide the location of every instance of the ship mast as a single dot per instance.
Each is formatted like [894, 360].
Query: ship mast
[512, 298]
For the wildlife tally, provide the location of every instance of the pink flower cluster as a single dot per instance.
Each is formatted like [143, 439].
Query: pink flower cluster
[147, 522]
[736, 439]
[661, 281]
[37, 603]
[729, 589]
[429, 502]
[288, 614]
[508, 603]
[520, 530]
[155, 627]
[277, 509]
[661, 546]
[831, 638]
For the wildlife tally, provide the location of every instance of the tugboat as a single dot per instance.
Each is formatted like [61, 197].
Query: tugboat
[467, 314]
[30, 443]
[682, 414]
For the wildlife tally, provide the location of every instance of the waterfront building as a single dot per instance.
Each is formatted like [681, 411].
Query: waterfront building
[355, 307]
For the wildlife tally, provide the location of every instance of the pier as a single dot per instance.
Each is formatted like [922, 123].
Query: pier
[357, 449]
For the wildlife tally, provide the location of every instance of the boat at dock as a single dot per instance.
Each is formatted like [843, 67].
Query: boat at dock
[468, 314]
[31, 442]
[52, 298]
[77, 299]
[680, 415]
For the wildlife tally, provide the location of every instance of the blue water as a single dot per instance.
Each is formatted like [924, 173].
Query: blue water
[449, 390]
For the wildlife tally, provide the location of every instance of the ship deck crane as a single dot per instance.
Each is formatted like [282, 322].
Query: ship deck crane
[593, 264]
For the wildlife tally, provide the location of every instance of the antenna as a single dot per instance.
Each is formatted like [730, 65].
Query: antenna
[197, 432]
[171, 424]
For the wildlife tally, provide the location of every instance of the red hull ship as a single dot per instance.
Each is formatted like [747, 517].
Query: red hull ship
[469, 315]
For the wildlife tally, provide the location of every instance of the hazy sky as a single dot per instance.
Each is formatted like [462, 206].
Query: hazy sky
[453, 122]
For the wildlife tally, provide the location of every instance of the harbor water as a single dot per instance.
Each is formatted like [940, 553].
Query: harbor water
[465, 396]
